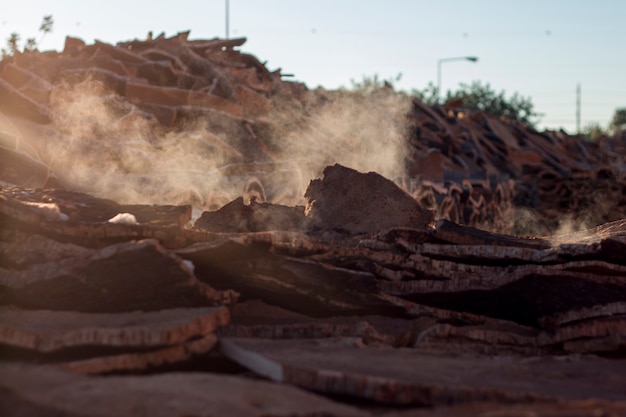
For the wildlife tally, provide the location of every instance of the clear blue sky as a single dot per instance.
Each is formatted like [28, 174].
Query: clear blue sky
[539, 48]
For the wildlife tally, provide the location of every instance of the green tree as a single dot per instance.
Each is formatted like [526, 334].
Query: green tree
[478, 96]
[31, 44]
[618, 122]
[369, 84]
[47, 24]
[428, 95]
[593, 131]
[13, 43]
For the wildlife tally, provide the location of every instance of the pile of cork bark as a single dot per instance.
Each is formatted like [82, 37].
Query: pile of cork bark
[358, 304]
[483, 166]
[374, 297]
[154, 87]
[471, 167]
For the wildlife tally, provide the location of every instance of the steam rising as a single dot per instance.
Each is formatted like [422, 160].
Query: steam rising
[567, 227]
[107, 147]
[361, 130]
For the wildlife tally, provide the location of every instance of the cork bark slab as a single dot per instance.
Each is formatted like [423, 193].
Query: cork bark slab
[129, 276]
[81, 207]
[48, 331]
[551, 409]
[404, 376]
[354, 202]
[256, 319]
[73, 217]
[47, 392]
[300, 285]
[144, 361]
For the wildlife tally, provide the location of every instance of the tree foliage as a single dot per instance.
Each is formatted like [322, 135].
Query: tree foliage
[474, 96]
[428, 95]
[31, 44]
[13, 43]
[479, 96]
[46, 25]
[369, 84]
[618, 122]
[593, 131]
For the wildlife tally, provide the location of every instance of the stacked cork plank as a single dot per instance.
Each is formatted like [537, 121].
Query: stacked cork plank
[471, 167]
[337, 308]
[483, 166]
[166, 77]
[156, 87]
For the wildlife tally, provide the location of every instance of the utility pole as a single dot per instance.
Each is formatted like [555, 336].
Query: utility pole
[578, 108]
[227, 19]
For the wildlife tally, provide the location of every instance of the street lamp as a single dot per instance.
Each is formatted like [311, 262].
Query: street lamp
[227, 19]
[459, 58]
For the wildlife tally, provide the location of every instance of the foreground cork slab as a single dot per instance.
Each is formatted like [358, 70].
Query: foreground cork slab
[146, 360]
[405, 376]
[549, 409]
[136, 275]
[48, 331]
[45, 391]
[81, 207]
[307, 287]
[74, 217]
[256, 319]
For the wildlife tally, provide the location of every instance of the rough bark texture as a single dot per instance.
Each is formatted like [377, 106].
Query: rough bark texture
[400, 376]
[346, 200]
[41, 391]
[420, 292]
[49, 331]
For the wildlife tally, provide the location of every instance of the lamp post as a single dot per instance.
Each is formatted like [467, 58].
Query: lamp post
[227, 19]
[459, 58]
